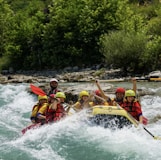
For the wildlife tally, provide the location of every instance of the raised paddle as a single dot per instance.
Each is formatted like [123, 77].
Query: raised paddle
[37, 90]
[144, 119]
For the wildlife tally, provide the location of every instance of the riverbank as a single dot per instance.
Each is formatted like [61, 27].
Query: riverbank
[41, 79]
[83, 75]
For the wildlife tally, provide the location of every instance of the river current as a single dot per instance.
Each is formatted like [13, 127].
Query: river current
[72, 138]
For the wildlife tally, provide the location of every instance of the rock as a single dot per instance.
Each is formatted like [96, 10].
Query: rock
[84, 75]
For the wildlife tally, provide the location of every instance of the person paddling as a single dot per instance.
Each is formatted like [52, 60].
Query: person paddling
[119, 94]
[119, 97]
[56, 109]
[98, 99]
[53, 86]
[132, 105]
[83, 101]
[39, 110]
[51, 97]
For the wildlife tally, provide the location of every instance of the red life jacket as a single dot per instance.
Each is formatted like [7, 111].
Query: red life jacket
[114, 101]
[55, 115]
[54, 91]
[133, 108]
[119, 102]
[49, 115]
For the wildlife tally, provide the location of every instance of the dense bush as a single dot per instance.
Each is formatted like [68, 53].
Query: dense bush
[55, 34]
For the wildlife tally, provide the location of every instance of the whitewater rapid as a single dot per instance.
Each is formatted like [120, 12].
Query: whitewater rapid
[73, 138]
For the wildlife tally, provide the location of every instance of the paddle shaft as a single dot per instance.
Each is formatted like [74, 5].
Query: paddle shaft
[99, 87]
[100, 98]
[149, 132]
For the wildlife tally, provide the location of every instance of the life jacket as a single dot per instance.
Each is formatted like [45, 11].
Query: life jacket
[54, 91]
[38, 109]
[96, 102]
[114, 102]
[119, 102]
[55, 115]
[78, 104]
[133, 108]
[35, 109]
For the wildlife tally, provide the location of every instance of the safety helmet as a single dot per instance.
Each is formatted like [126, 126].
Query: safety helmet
[60, 95]
[97, 92]
[42, 97]
[120, 90]
[129, 93]
[83, 93]
[54, 80]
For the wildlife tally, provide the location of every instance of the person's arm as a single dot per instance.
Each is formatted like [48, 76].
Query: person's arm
[40, 116]
[141, 119]
[86, 103]
[102, 92]
[139, 111]
[55, 103]
[77, 106]
[42, 111]
[33, 119]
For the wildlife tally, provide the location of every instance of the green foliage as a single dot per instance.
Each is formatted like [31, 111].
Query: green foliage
[55, 34]
[75, 27]
[99, 72]
[6, 34]
[128, 20]
[26, 35]
[124, 50]
[147, 11]
[152, 56]
[154, 26]
[130, 48]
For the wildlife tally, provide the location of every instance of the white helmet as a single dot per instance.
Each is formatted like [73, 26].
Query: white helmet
[54, 80]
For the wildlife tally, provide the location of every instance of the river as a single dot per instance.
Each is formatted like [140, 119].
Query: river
[72, 138]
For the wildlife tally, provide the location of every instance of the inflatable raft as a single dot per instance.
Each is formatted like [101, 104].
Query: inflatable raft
[111, 117]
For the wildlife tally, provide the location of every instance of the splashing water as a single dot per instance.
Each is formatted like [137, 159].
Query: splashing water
[72, 138]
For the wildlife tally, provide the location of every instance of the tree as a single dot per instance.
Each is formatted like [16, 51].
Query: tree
[74, 30]
[124, 48]
[7, 46]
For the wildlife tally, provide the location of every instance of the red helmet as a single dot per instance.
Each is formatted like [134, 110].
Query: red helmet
[120, 90]
[97, 92]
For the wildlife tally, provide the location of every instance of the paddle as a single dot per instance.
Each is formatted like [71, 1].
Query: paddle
[37, 90]
[32, 126]
[157, 138]
[144, 119]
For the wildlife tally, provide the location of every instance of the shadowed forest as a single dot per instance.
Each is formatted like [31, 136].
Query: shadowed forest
[46, 34]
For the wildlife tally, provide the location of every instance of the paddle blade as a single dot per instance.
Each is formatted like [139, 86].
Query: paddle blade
[157, 138]
[32, 126]
[37, 90]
